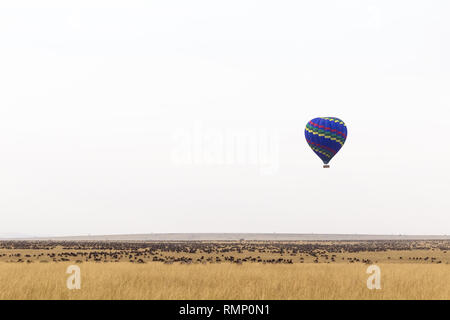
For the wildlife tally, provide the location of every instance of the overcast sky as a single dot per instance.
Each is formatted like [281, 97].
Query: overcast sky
[113, 116]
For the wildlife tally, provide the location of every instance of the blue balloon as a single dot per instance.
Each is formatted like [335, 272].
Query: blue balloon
[326, 136]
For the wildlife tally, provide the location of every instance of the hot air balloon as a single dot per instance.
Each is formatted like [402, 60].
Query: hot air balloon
[326, 136]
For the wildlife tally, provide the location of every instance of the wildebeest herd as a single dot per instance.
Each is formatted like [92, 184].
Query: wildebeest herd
[191, 252]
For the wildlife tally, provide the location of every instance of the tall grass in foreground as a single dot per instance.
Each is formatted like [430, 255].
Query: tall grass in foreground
[223, 281]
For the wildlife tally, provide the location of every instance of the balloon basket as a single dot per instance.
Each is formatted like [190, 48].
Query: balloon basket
[326, 165]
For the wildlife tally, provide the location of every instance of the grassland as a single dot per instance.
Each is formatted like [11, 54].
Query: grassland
[205, 270]
[223, 281]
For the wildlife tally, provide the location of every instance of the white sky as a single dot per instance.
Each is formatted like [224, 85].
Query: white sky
[93, 92]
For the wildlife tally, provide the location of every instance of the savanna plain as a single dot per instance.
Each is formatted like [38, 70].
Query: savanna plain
[225, 270]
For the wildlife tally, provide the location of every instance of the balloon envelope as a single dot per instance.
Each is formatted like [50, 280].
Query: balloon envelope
[326, 136]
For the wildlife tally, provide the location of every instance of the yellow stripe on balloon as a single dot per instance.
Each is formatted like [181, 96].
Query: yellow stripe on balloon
[320, 151]
[323, 135]
[335, 120]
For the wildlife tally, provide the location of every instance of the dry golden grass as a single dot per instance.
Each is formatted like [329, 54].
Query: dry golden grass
[223, 281]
